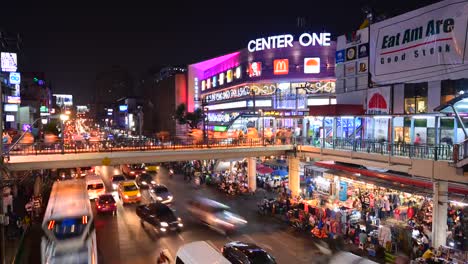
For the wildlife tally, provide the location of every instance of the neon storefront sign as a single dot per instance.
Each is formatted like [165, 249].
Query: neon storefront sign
[285, 41]
[241, 91]
[317, 87]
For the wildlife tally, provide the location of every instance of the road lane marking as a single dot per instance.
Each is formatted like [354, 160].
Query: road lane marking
[181, 237]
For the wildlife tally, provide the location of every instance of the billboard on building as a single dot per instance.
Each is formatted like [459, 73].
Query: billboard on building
[63, 99]
[9, 62]
[352, 61]
[426, 44]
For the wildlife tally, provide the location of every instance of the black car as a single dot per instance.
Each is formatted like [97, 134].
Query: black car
[160, 216]
[144, 180]
[246, 253]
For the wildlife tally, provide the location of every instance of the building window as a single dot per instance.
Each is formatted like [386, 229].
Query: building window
[452, 88]
[416, 98]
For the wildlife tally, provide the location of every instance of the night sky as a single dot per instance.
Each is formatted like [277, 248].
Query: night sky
[71, 43]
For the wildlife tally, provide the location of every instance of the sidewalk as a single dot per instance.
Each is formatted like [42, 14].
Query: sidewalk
[13, 243]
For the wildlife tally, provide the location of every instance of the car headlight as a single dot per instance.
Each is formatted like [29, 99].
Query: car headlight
[132, 172]
[138, 194]
[114, 186]
[144, 183]
[126, 196]
[159, 198]
[153, 182]
[144, 171]
[164, 224]
[180, 224]
[179, 219]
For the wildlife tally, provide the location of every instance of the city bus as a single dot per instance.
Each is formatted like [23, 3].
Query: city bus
[68, 225]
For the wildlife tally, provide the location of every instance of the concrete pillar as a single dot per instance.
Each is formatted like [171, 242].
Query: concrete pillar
[412, 135]
[439, 214]
[305, 128]
[294, 177]
[252, 173]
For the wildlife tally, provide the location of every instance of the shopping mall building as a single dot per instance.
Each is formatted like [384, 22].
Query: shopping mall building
[275, 79]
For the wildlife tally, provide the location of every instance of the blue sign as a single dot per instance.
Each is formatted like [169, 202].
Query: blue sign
[343, 193]
[340, 56]
[123, 108]
[15, 78]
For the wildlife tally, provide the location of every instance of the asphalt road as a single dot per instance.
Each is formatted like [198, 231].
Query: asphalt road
[122, 239]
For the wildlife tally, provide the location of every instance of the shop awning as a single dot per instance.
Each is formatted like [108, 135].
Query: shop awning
[264, 170]
[391, 180]
[336, 110]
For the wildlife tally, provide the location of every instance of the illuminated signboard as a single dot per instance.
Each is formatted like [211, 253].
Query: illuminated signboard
[281, 66]
[255, 69]
[229, 76]
[222, 117]
[13, 99]
[10, 108]
[63, 99]
[311, 65]
[203, 85]
[219, 128]
[232, 93]
[10, 118]
[284, 41]
[43, 109]
[123, 108]
[215, 81]
[324, 86]
[238, 73]
[221, 78]
[9, 62]
[196, 92]
[208, 83]
[15, 78]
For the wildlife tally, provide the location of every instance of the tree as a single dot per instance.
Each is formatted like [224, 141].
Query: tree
[192, 119]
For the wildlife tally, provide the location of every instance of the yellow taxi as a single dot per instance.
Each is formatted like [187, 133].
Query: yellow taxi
[129, 192]
[151, 167]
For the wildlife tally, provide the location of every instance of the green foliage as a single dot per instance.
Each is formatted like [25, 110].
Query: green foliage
[192, 119]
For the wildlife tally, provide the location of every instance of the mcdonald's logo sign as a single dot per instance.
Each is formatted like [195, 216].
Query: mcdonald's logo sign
[281, 66]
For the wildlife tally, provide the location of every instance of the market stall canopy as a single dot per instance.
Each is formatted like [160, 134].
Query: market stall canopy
[264, 170]
[281, 173]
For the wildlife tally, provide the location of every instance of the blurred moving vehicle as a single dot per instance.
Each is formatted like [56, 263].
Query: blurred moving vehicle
[68, 225]
[106, 203]
[132, 170]
[215, 215]
[129, 192]
[160, 193]
[116, 179]
[144, 180]
[151, 167]
[246, 253]
[95, 186]
[199, 252]
[160, 216]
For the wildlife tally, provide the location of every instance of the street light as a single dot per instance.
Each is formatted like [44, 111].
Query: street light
[63, 118]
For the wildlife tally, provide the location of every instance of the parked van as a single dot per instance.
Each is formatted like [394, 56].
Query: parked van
[95, 186]
[199, 252]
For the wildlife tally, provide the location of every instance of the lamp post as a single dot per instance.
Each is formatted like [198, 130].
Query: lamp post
[63, 118]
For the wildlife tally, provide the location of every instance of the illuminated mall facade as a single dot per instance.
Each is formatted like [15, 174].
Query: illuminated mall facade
[276, 79]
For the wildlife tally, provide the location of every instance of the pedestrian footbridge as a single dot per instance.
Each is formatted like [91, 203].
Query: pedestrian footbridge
[36, 162]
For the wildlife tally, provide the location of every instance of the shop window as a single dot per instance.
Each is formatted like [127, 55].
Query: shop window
[416, 98]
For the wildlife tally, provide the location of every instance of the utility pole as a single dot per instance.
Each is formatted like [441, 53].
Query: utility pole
[2, 175]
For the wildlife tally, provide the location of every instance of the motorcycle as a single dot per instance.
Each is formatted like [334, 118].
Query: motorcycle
[171, 173]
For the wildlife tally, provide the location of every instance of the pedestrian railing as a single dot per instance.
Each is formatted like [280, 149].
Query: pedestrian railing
[42, 148]
[421, 151]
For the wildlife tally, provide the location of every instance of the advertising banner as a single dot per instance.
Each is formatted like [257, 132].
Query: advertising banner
[423, 45]
[343, 193]
[378, 100]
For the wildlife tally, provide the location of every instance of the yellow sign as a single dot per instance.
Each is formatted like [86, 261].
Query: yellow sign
[106, 161]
